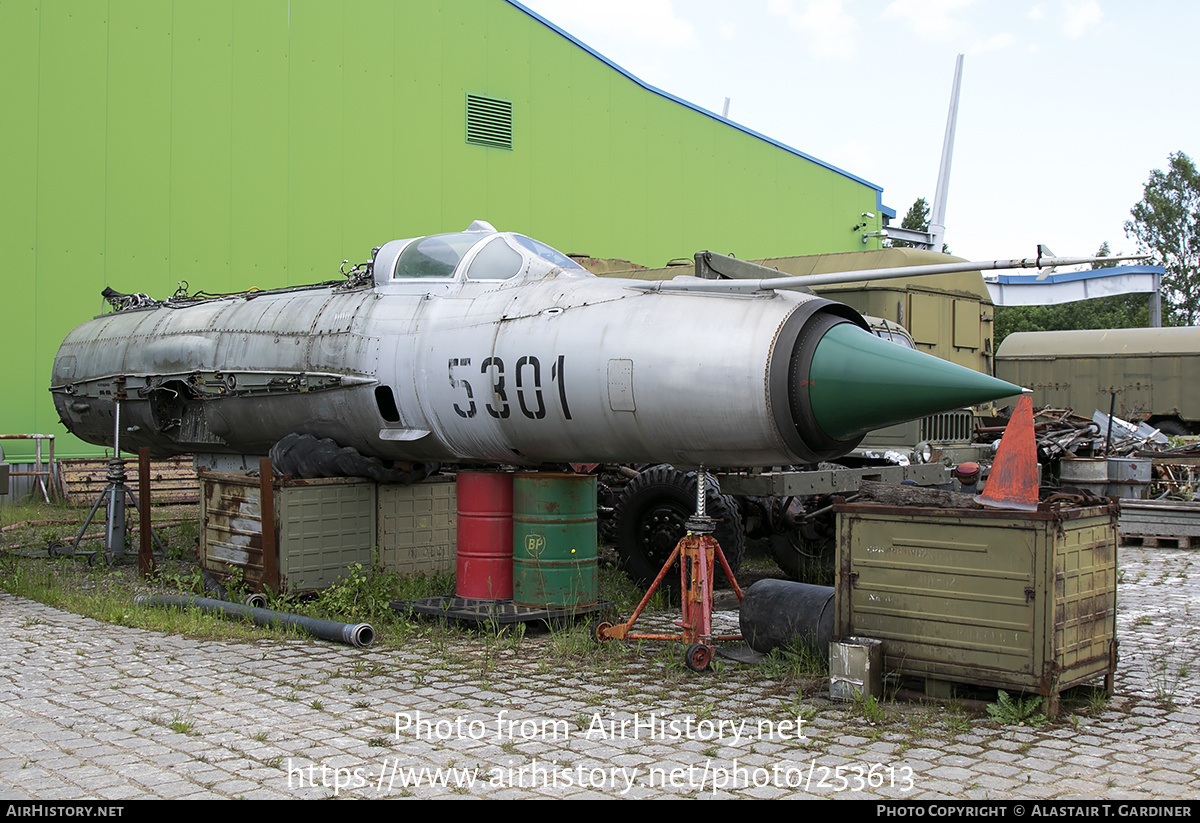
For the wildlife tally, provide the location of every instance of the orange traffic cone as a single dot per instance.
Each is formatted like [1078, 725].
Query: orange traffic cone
[1013, 482]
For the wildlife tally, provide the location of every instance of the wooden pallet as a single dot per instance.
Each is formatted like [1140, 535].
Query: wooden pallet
[1158, 541]
[1160, 523]
[171, 481]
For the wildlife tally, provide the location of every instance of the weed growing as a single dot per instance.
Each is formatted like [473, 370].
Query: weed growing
[1008, 711]
[1167, 678]
[869, 709]
[366, 594]
[180, 723]
[797, 662]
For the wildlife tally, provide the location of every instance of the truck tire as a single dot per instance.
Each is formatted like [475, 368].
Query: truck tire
[808, 561]
[1171, 428]
[650, 518]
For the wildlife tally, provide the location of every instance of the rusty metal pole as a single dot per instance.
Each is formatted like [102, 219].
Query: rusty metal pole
[697, 551]
[266, 496]
[146, 565]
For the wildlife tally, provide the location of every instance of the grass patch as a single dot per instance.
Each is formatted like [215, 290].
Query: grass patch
[799, 662]
[567, 649]
[870, 709]
[365, 594]
[177, 722]
[1168, 676]
[108, 593]
[181, 724]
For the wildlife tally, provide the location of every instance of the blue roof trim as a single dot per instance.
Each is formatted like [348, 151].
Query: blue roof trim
[1069, 276]
[878, 189]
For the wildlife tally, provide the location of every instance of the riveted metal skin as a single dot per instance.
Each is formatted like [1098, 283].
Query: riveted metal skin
[475, 347]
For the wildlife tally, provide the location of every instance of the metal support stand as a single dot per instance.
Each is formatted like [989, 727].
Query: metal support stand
[696, 552]
[113, 497]
[46, 478]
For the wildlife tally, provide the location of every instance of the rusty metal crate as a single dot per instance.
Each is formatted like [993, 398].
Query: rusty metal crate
[320, 528]
[1004, 599]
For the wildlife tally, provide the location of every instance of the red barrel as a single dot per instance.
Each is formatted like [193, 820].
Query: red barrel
[485, 536]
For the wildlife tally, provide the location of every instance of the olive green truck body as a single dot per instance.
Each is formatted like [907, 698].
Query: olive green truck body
[1154, 373]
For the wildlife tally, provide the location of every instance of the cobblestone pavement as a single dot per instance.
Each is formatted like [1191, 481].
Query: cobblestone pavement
[89, 710]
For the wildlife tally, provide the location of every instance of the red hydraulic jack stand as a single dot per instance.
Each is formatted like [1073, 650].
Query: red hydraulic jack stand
[695, 553]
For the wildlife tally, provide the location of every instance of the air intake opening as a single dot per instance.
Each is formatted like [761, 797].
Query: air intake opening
[386, 402]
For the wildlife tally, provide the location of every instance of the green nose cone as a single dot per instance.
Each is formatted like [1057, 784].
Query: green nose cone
[860, 382]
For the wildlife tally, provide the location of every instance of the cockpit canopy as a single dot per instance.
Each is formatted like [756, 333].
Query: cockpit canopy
[479, 253]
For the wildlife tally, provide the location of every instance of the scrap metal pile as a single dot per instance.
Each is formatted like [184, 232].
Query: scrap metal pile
[1175, 472]
[1062, 434]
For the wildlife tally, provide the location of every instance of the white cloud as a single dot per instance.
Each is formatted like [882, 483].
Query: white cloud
[830, 29]
[996, 42]
[931, 19]
[652, 22]
[1079, 17]
[1038, 12]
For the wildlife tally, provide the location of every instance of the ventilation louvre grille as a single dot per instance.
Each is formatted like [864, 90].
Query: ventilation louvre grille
[489, 122]
[948, 427]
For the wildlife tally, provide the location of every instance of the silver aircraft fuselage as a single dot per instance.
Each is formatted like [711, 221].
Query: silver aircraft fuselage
[479, 346]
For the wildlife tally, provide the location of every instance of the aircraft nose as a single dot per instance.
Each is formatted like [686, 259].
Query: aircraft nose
[857, 382]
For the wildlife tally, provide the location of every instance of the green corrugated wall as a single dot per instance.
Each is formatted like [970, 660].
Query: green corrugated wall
[260, 142]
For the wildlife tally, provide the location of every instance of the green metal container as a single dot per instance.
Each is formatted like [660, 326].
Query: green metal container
[554, 540]
[416, 526]
[1006, 599]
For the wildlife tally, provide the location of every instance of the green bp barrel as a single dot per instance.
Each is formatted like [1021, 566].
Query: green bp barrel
[554, 540]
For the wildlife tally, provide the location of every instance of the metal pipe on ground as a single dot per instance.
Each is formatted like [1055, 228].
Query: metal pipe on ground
[213, 586]
[778, 613]
[360, 635]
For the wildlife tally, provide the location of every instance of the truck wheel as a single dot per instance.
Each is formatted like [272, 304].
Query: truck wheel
[809, 561]
[650, 516]
[1171, 428]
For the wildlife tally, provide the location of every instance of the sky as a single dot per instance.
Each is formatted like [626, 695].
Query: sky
[1066, 105]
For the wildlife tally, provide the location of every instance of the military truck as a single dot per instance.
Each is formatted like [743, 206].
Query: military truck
[948, 315]
[1154, 373]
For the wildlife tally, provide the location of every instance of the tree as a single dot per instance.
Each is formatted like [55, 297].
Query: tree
[1104, 251]
[916, 219]
[1167, 225]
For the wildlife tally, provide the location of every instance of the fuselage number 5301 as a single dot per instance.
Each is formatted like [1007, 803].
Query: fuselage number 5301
[527, 386]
